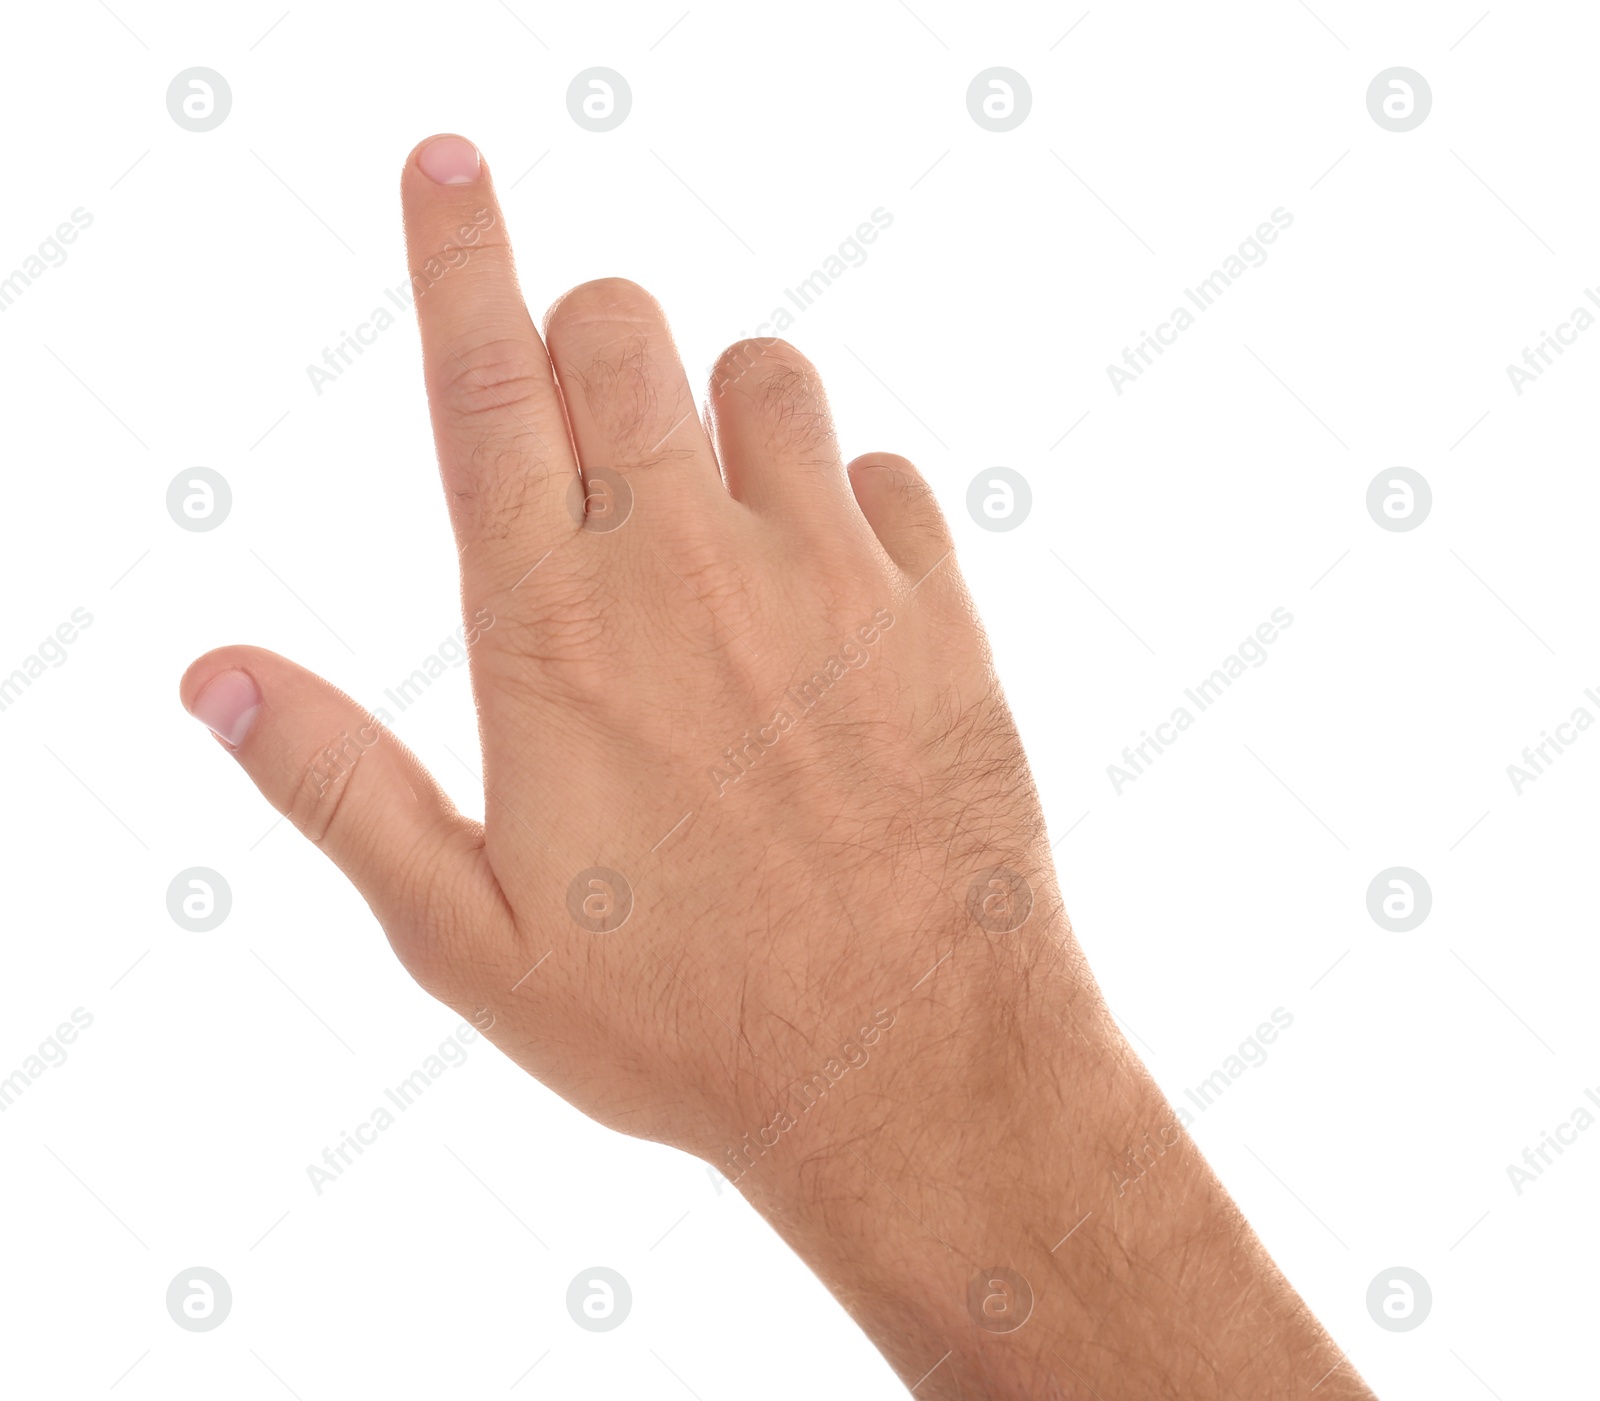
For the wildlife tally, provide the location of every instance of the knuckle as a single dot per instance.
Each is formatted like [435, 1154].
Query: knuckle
[465, 255]
[917, 497]
[603, 299]
[745, 359]
[790, 399]
[636, 406]
[493, 377]
[494, 403]
[318, 805]
[562, 629]
[914, 500]
[495, 485]
[734, 362]
[892, 461]
[442, 948]
[610, 340]
[621, 391]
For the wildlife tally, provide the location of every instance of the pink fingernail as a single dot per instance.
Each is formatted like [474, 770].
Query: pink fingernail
[228, 706]
[449, 160]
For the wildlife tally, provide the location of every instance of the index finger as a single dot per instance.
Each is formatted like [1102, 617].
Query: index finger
[505, 456]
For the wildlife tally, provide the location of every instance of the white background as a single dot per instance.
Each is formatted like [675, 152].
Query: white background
[1170, 521]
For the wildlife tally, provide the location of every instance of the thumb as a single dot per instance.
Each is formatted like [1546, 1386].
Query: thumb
[350, 786]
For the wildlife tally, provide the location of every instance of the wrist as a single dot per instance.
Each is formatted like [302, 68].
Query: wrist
[950, 1147]
[965, 1196]
[965, 1032]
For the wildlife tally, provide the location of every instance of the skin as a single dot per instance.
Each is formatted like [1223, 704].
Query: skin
[808, 876]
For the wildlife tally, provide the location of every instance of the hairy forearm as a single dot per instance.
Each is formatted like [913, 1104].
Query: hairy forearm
[971, 1208]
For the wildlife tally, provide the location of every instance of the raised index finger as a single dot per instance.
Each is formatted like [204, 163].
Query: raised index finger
[504, 452]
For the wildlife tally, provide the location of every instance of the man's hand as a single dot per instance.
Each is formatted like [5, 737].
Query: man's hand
[762, 873]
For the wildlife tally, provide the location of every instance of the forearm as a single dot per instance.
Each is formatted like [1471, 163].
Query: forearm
[982, 1229]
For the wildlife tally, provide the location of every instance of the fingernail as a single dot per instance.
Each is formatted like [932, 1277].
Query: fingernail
[228, 705]
[449, 160]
